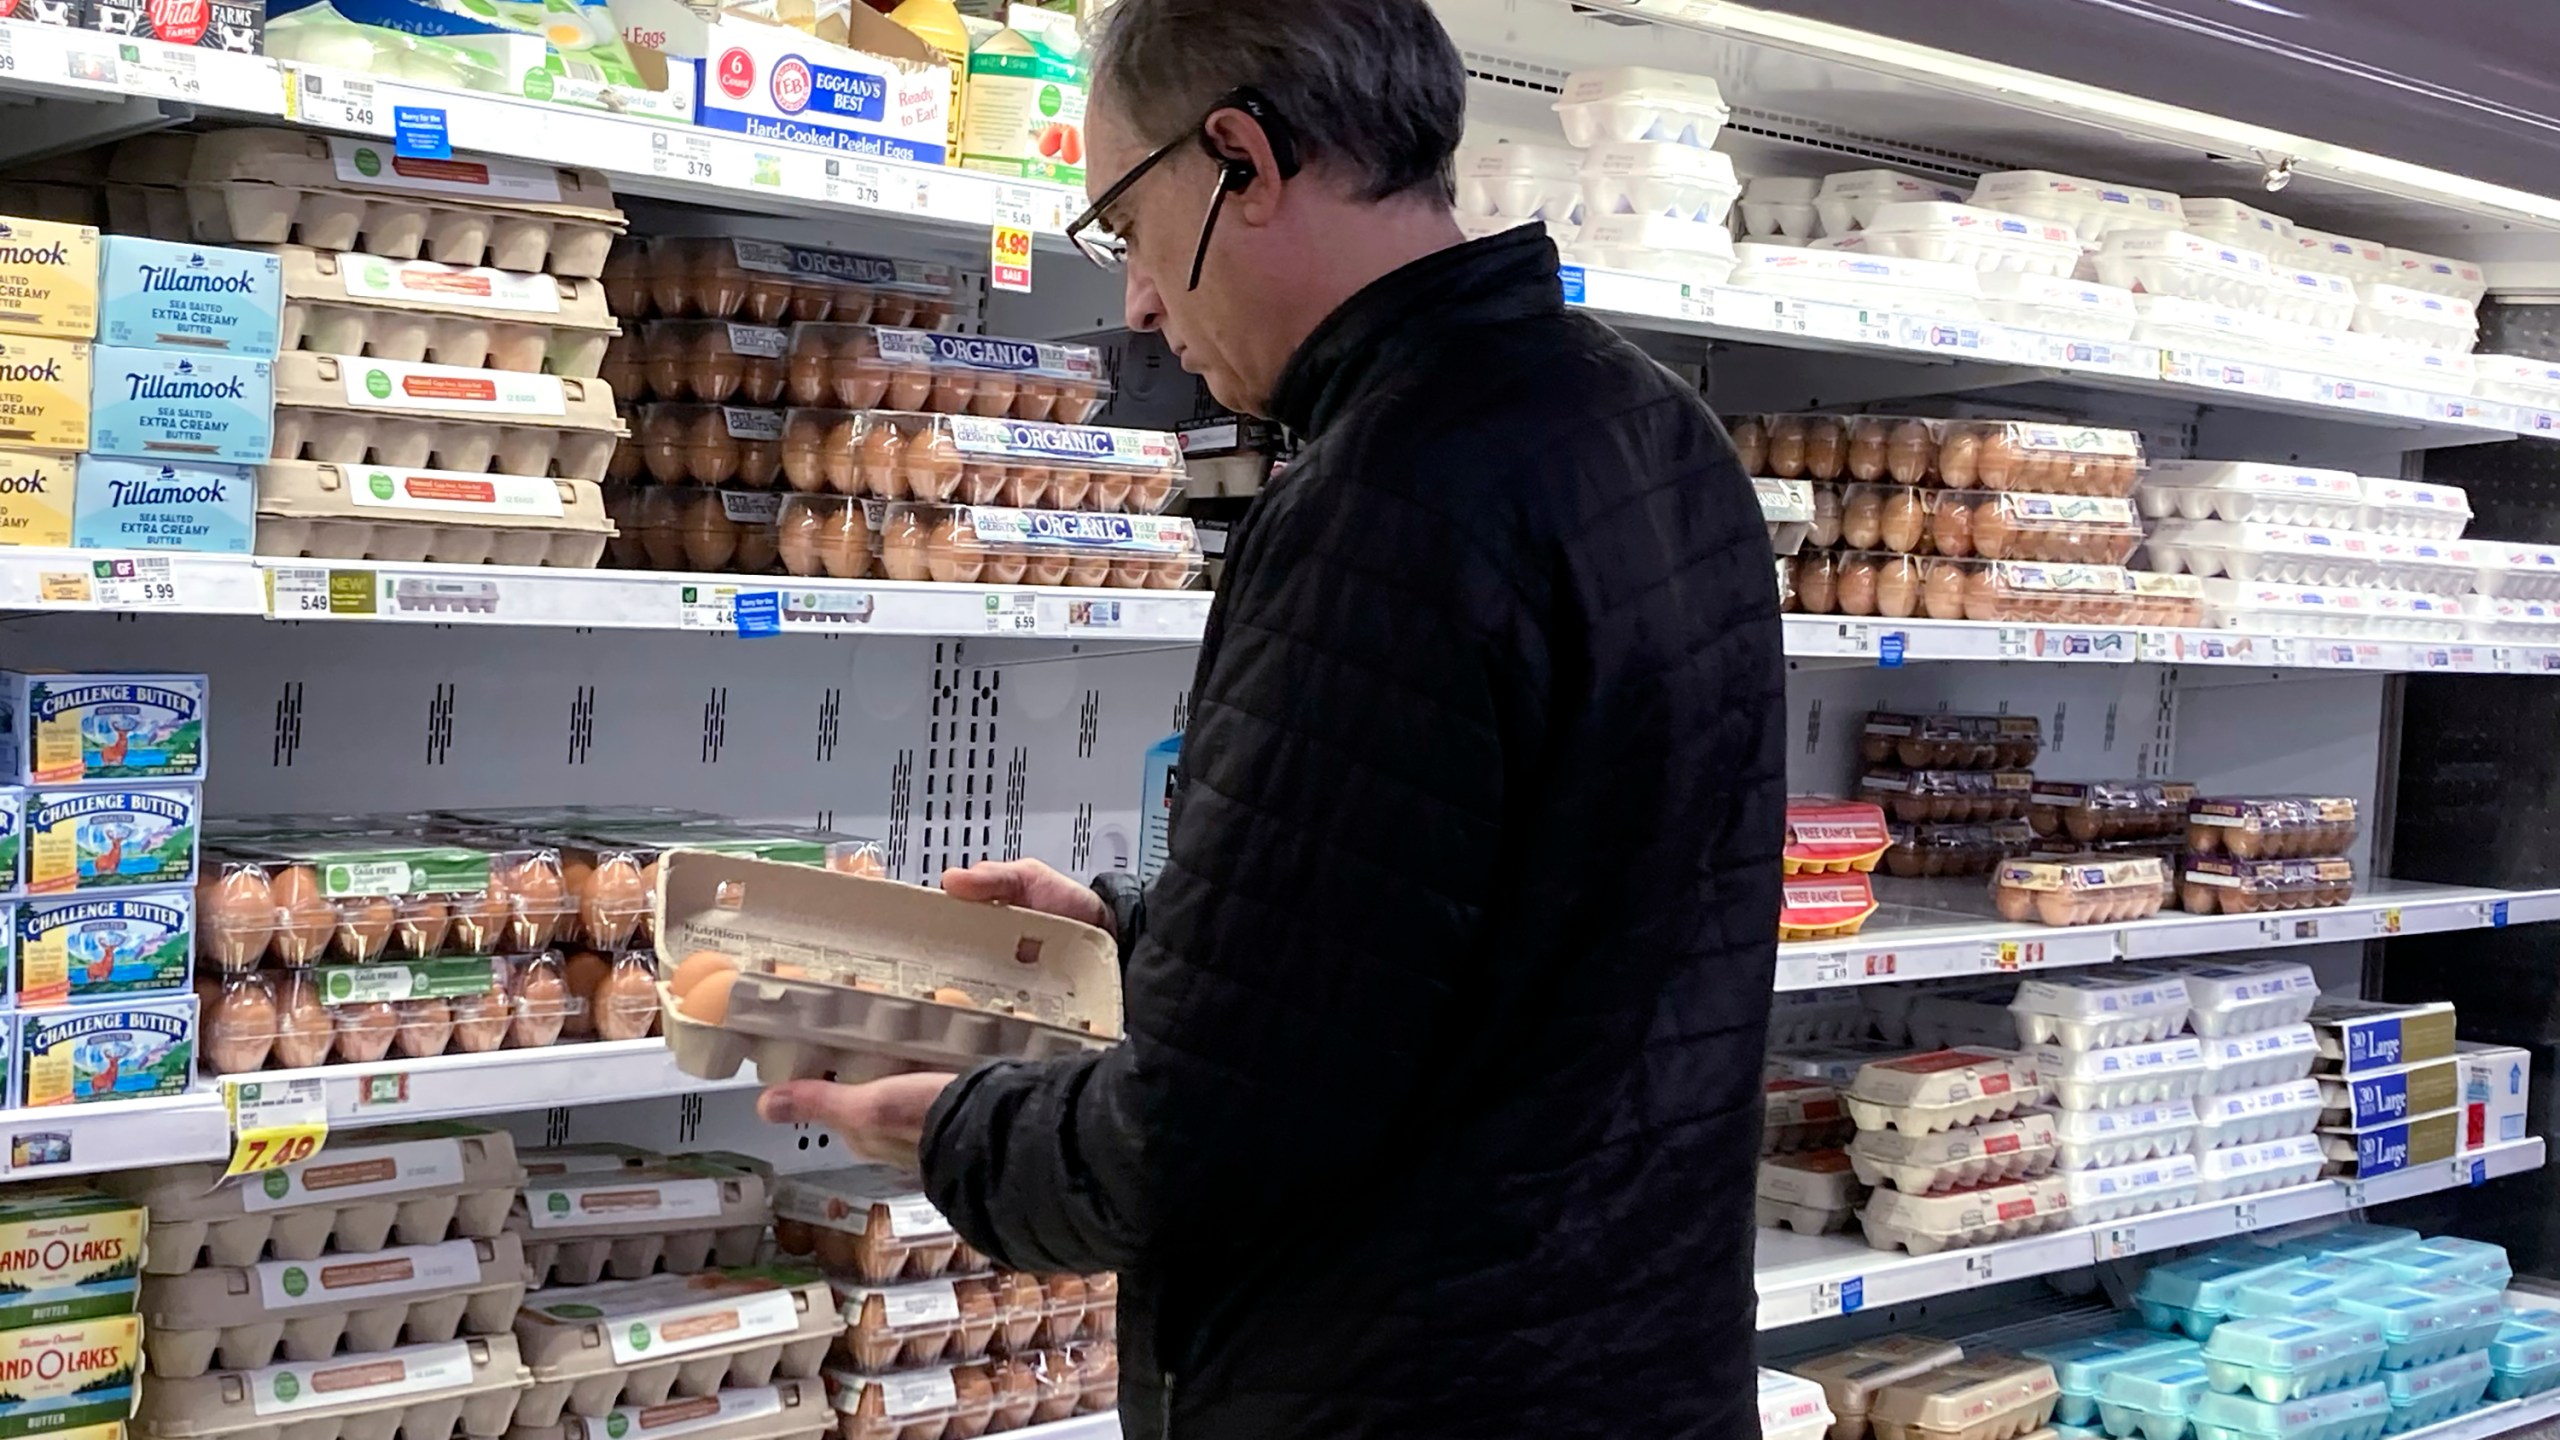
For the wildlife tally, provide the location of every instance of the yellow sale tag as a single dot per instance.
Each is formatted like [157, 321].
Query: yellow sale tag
[274, 1123]
[1009, 242]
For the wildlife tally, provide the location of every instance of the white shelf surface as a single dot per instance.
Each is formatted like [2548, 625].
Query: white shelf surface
[2496, 1419]
[1814, 1277]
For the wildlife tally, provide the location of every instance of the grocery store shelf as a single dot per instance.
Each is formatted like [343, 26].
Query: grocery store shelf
[78, 64]
[1814, 1277]
[1955, 932]
[2498, 1418]
[1874, 640]
[444, 1087]
[86, 1139]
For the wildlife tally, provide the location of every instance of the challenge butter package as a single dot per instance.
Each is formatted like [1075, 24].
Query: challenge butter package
[44, 393]
[88, 1053]
[48, 278]
[64, 728]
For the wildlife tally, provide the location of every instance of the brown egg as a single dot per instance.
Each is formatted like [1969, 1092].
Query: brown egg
[670, 280]
[1017, 1393]
[626, 280]
[1786, 446]
[1751, 444]
[609, 908]
[585, 974]
[661, 536]
[804, 439]
[909, 387]
[1958, 456]
[984, 485]
[794, 1237]
[796, 535]
[700, 362]
[627, 1003]
[1007, 566]
[1862, 517]
[304, 1029]
[768, 297]
[818, 302]
[1091, 571]
[663, 433]
[235, 916]
[1982, 597]
[953, 554]
[951, 392]
[712, 454]
[1172, 572]
[710, 536]
[1825, 530]
[758, 549]
[1898, 587]
[2044, 470]
[994, 396]
[808, 377]
[1078, 401]
[862, 860]
[762, 382]
[1036, 400]
[480, 1021]
[1857, 585]
[1998, 459]
[364, 925]
[1110, 490]
[627, 464]
[708, 1001]
[879, 462]
[1131, 573]
[1902, 521]
[421, 927]
[844, 543]
[625, 370]
[1026, 487]
[1951, 526]
[1942, 591]
[1070, 489]
[1992, 531]
[931, 467]
[1868, 437]
[476, 921]
[1045, 567]
[541, 1003]
[1151, 491]
[694, 968]
[364, 1032]
[719, 281]
[536, 898]
[240, 1025]
[905, 546]
[1826, 447]
[1907, 451]
[2014, 904]
[426, 1027]
[1817, 584]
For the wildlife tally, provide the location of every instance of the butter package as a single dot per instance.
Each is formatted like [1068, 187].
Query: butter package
[159, 405]
[44, 392]
[2358, 1035]
[2495, 1081]
[104, 947]
[142, 505]
[195, 298]
[62, 1376]
[48, 278]
[64, 728]
[35, 498]
[67, 1253]
[111, 837]
[89, 1053]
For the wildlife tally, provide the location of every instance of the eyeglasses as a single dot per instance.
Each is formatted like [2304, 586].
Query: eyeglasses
[1109, 251]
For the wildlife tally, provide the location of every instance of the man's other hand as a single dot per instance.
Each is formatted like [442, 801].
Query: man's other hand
[1032, 886]
[880, 1120]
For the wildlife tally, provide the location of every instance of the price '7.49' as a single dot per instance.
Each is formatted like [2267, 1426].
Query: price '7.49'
[274, 1152]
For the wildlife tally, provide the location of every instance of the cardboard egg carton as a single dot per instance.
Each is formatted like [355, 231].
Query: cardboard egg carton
[339, 512]
[349, 410]
[626, 1224]
[242, 1317]
[423, 311]
[783, 1410]
[838, 971]
[336, 192]
[638, 1342]
[417, 1392]
[404, 1184]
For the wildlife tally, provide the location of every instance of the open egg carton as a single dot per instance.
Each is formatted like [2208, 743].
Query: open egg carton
[2100, 1139]
[400, 514]
[787, 1409]
[766, 282]
[335, 192]
[247, 1317]
[409, 1184]
[639, 1342]
[627, 1224]
[466, 1387]
[2013, 1148]
[348, 410]
[425, 311]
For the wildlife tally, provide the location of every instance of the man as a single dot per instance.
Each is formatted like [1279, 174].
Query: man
[1438, 1108]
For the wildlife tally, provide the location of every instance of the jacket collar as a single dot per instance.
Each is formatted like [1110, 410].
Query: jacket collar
[1510, 276]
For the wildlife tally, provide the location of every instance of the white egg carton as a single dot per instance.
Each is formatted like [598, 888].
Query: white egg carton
[2279, 1112]
[2256, 1059]
[2409, 510]
[1849, 199]
[1955, 1219]
[2242, 995]
[2358, 260]
[2021, 1145]
[1943, 1089]
[2090, 1010]
[2280, 609]
[2115, 1191]
[2439, 274]
[2095, 208]
[1813, 1192]
[2097, 1139]
[2415, 615]
[2422, 567]
[1850, 278]
[347, 410]
[1648, 177]
[2251, 492]
[2059, 305]
[2429, 367]
[1519, 182]
[1683, 250]
[2233, 223]
[1991, 241]
[2531, 622]
[1802, 1115]
[1815, 1017]
[2125, 1075]
[419, 310]
[2506, 570]
[2175, 322]
[641, 1342]
[2311, 298]
[1637, 102]
[2190, 267]
[309, 508]
[2420, 317]
[244, 1317]
[1792, 1408]
[271, 187]
[1964, 1017]
[2279, 554]
[2254, 1169]
[2519, 380]
[459, 1387]
[1833, 1065]
[585, 1226]
[1780, 206]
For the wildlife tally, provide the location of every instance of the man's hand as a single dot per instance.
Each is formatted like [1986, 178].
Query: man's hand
[1032, 886]
[880, 1120]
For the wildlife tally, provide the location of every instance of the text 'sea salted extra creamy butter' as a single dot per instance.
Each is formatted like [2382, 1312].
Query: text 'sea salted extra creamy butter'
[163, 296]
[37, 495]
[57, 1377]
[106, 1052]
[44, 393]
[148, 505]
[104, 947]
[160, 405]
[58, 728]
[111, 837]
[48, 278]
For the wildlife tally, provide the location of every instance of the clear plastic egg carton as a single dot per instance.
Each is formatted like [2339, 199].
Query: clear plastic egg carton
[1637, 102]
[1848, 200]
[1648, 177]
[968, 545]
[2505, 570]
[247, 1317]
[2429, 1320]
[2278, 1112]
[1511, 181]
[2090, 1010]
[688, 444]
[1845, 277]
[989, 1397]
[1792, 1408]
[1811, 1192]
[1802, 1115]
[2358, 260]
[272, 187]
[2257, 1059]
[1935, 850]
[346, 410]
[763, 282]
[2276, 554]
[2360, 1412]
[459, 1387]
[1991, 241]
[1919, 1164]
[1958, 1219]
[2439, 274]
[2102, 1139]
[2310, 298]
[1780, 207]
[978, 460]
[2231, 223]
[2518, 380]
[2411, 510]
[2084, 889]
[585, 1226]
[1966, 1017]
[2240, 996]
[960, 1318]
[1684, 250]
[2139, 1187]
[2396, 312]
[2058, 304]
[2227, 885]
[2276, 827]
[2252, 492]
[2188, 267]
[2524, 1358]
[1947, 796]
[1815, 1017]
[406, 1184]
[1942, 1090]
[2531, 622]
[2095, 208]
[2175, 322]
[867, 1222]
[423, 311]
[641, 1342]
[1996, 525]
[2276, 1358]
[712, 362]
[2232, 1171]
[2102, 810]
[865, 367]
[2430, 1394]
[311, 508]
[2110, 1079]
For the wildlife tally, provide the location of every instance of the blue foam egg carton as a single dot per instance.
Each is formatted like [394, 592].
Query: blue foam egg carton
[2286, 1357]
[2151, 1399]
[2194, 1294]
[2429, 1321]
[2080, 1367]
[2361, 1412]
[2525, 1356]
[2437, 1391]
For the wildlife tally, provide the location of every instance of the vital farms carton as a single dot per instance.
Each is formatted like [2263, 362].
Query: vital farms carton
[158, 405]
[111, 836]
[67, 1253]
[59, 728]
[36, 498]
[144, 505]
[197, 298]
[48, 278]
[104, 947]
[88, 1053]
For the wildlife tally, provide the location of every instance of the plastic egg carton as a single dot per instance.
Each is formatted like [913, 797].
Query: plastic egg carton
[2505, 570]
[2175, 322]
[1850, 278]
[2151, 1398]
[2276, 1358]
[1792, 1408]
[2396, 312]
[2423, 1395]
[2094, 207]
[2257, 1059]
[2103, 1139]
[2278, 1112]
[2524, 1359]
[2358, 260]
[272, 187]
[2411, 510]
[641, 1342]
[247, 1317]
[2081, 889]
[404, 1184]
[465, 1387]
[419, 310]
[2252, 492]
[1988, 1395]
[2518, 380]
[1519, 182]
[2430, 1320]
[1780, 207]
[1801, 1115]
[2361, 1412]
[2451, 1257]
[1920, 1164]
[2439, 275]
[2310, 298]
[1812, 1192]
[2058, 304]
[311, 508]
[2229, 222]
[1647, 177]
[2093, 1009]
[2277, 554]
[2171, 1069]
[1849, 199]
[1955, 1219]
[2531, 622]
[346, 410]
[587, 1226]
[1636, 102]
[1815, 1017]
[2246, 995]
[1943, 1090]
[2185, 266]
[1992, 241]
[2236, 1170]
[2139, 1188]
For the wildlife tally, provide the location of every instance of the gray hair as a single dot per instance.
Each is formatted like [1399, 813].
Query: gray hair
[1372, 86]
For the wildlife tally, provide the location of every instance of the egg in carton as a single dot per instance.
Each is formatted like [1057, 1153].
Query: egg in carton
[768, 283]
[410, 1184]
[466, 1387]
[640, 1342]
[679, 1216]
[246, 1317]
[336, 192]
[864, 367]
[423, 310]
[708, 444]
[399, 514]
[350, 410]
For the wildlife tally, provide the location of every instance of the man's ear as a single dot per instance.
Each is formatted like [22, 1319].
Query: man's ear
[1248, 168]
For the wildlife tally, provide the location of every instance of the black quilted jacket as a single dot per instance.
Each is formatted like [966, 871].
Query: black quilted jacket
[1439, 1108]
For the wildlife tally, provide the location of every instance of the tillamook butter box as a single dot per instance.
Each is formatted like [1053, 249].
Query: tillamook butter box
[38, 496]
[48, 278]
[44, 393]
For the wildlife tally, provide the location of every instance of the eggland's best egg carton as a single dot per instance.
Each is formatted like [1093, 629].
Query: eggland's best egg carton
[639, 1342]
[417, 1392]
[413, 1184]
[336, 192]
[345, 512]
[349, 410]
[791, 1409]
[584, 1226]
[242, 1317]
[424, 311]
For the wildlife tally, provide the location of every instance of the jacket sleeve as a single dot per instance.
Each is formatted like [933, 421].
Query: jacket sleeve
[1330, 857]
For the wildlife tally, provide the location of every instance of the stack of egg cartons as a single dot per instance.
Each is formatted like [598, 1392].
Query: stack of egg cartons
[1915, 263]
[1792, 1408]
[368, 1289]
[2413, 321]
[2257, 1106]
[2110, 1045]
[1956, 1149]
[1650, 194]
[2390, 1088]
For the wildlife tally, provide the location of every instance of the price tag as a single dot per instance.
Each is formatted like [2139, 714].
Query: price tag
[1009, 243]
[707, 607]
[303, 592]
[335, 102]
[758, 613]
[2493, 914]
[8, 53]
[2355, 1193]
[1977, 1268]
[274, 1123]
[2118, 1243]
[1839, 1297]
[1698, 304]
[679, 156]
[2386, 921]
[63, 587]
[2014, 642]
[855, 182]
[144, 582]
[2014, 954]
[1830, 969]
[2244, 1217]
[1017, 614]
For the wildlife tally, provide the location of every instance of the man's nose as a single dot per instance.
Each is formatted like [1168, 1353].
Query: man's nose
[1142, 307]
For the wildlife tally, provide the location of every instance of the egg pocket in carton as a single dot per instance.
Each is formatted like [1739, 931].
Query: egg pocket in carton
[2246, 995]
[787, 1409]
[417, 1392]
[340, 512]
[1812, 1192]
[347, 410]
[627, 1225]
[1942, 1090]
[641, 1342]
[2090, 1011]
[424, 311]
[334, 192]
[1995, 1150]
[248, 1317]
[1801, 1115]
[2139, 1187]
[2098, 1139]
[1778, 206]
[1957, 1219]
[2172, 1069]
[404, 1184]
[2236, 1170]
